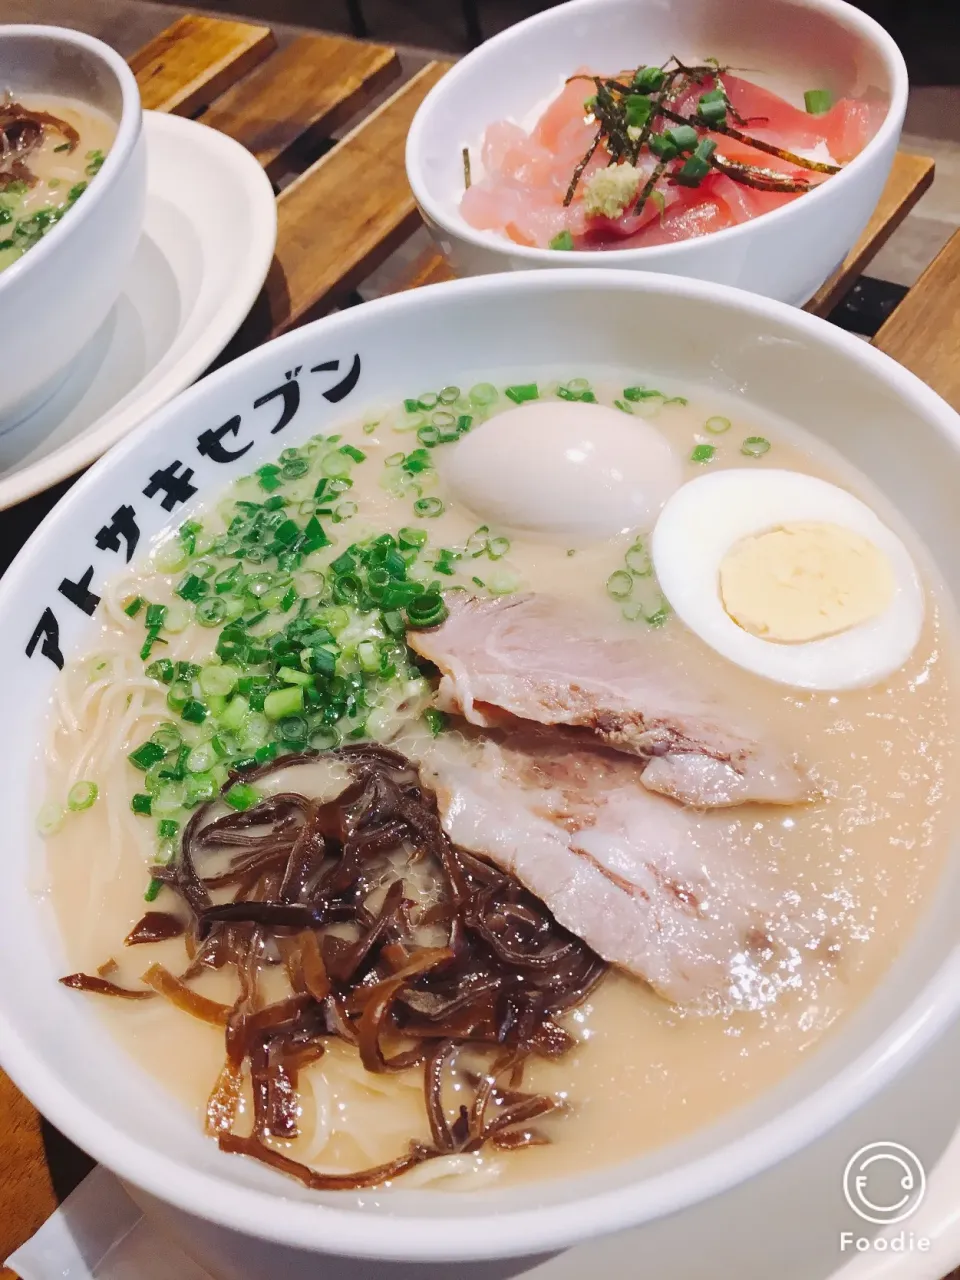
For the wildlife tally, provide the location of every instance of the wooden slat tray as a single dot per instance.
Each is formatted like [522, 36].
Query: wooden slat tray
[335, 228]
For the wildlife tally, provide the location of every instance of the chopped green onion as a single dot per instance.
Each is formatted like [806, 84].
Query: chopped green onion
[336, 465]
[427, 610]
[82, 795]
[283, 702]
[168, 737]
[411, 537]
[191, 588]
[146, 755]
[242, 796]
[141, 803]
[202, 758]
[173, 771]
[428, 508]
[416, 461]
[497, 548]
[696, 168]
[356, 454]
[294, 731]
[269, 478]
[717, 425]
[637, 560]
[638, 108]
[683, 136]
[712, 107]
[484, 393]
[178, 695]
[133, 607]
[155, 616]
[635, 394]
[199, 788]
[818, 101]
[619, 584]
[153, 890]
[178, 618]
[649, 79]
[161, 670]
[289, 675]
[50, 817]
[754, 446]
[501, 582]
[211, 611]
[562, 240]
[194, 711]
[167, 829]
[435, 721]
[523, 392]
[218, 681]
[662, 146]
[702, 452]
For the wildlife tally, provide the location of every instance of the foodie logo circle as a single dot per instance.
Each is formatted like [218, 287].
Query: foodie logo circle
[884, 1183]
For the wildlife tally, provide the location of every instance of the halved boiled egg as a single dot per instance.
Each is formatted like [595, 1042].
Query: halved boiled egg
[790, 577]
[562, 468]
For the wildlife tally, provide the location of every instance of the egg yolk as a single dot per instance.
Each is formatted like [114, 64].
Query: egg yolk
[803, 582]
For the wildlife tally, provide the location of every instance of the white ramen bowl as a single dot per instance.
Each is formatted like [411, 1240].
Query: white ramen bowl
[789, 45]
[52, 1041]
[58, 294]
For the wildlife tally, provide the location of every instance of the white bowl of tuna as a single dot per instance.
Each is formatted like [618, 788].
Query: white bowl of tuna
[744, 143]
[495, 758]
[72, 192]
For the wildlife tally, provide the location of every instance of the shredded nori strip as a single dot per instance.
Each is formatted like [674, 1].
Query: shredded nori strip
[609, 110]
[498, 974]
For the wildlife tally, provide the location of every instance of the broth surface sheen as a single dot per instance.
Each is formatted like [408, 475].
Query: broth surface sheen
[865, 857]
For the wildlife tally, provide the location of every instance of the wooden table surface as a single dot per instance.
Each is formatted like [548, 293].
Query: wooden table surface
[284, 94]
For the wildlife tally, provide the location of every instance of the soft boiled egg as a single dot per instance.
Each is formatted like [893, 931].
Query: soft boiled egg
[790, 577]
[564, 469]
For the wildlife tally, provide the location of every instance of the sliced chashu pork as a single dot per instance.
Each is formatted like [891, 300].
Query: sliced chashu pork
[677, 897]
[529, 657]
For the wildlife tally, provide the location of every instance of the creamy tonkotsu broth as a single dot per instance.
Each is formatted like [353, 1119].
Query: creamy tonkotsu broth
[844, 876]
[51, 147]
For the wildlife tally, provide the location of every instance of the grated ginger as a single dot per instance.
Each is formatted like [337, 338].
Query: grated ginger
[608, 191]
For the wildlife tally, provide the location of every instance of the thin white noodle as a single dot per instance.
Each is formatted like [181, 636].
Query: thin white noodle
[322, 1115]
[63, 712]
[472, 1170]
[112, 600]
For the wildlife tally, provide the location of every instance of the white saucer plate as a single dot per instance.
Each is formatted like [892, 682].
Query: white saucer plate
[208, 240]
